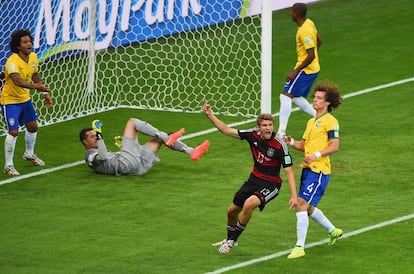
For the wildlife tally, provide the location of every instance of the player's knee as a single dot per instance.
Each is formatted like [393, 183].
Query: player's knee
[252, 202]
[233, 210]
[302, 205]
[284, 94]
[131, 121]
[14, 132]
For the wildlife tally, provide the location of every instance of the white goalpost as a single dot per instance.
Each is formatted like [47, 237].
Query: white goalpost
[149, 54]
[266, 60]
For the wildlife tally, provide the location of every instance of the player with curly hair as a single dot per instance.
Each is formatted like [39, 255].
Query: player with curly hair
[21, 75]
[320, 139]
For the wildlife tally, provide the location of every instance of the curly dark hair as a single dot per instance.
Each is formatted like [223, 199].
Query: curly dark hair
[15, 39]
[332, 93]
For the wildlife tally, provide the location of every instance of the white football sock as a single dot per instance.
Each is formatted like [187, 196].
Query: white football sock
[302, 224]
[9, 145]
[30, 139]
[304, 105]
[321, 219]
[284, 113]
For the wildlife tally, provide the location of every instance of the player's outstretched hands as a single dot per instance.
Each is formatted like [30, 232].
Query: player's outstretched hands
[288, 140]
[293, 202]
[118, 141]
[206, 107]
[48, 100]
[97, 127]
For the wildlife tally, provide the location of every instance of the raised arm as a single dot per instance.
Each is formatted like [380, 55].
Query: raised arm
[220, 125]
[102, 150]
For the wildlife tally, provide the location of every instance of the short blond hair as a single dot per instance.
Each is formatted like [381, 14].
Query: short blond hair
[264, 117]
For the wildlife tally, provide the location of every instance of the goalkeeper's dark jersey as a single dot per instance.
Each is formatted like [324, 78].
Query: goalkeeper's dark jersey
[268, 155]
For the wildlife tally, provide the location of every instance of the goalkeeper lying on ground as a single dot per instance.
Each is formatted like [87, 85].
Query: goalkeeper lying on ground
[133, 158]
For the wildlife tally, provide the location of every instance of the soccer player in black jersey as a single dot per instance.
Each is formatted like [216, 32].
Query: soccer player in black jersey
[270, 153]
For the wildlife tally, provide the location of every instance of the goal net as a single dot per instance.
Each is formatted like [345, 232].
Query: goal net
[149, 54]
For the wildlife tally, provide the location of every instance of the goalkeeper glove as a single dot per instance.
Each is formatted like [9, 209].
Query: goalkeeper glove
[97, 127]
[118, 141]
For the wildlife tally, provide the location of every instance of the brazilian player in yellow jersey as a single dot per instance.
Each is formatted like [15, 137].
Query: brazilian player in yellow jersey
[320, 139]
[21, 73]
[306, 70]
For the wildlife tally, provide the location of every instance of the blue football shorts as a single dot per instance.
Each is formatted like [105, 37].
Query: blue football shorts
[301, 85]
[313, 186]
[20, 114]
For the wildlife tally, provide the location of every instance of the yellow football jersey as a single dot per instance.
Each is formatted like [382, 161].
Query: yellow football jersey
[12, 94]
[306, 38]
[319, 131]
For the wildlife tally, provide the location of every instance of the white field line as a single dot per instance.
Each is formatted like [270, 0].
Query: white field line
[40, 172]
[285, 252]
[200, 133]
